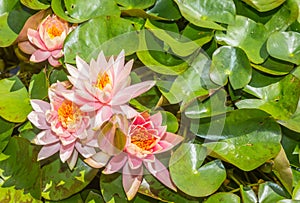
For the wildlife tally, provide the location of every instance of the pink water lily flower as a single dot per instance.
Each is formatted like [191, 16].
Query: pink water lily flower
[47, 41]
[65, 128]
[103, 87]
[146, 138]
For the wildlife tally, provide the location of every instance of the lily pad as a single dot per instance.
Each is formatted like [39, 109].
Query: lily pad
[206, 13]
[38, 87]
[136, 4]
[35, 4]
[59, 182]
[264, 5]
[247, 35]
[285, 46]
[109, 34]
[15, 106]
[248, 138]
[161, 6]
[223, 197]
[189, 175]
[5, 133]
[230, 62]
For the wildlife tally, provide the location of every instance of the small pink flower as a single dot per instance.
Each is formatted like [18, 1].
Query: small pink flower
[103, 87]
[146, 138]
[47, 41]
[65, 127]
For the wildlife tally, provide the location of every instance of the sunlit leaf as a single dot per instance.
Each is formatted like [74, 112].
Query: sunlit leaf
[223, 197]
[189, 175]
[35, 4]
[230, 62]
[247, 35]
[264, 5]
[285, 46]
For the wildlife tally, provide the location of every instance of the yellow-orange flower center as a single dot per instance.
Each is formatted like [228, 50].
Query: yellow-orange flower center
[68, 114]
[102, 81]
[143, 139]
[55, 30]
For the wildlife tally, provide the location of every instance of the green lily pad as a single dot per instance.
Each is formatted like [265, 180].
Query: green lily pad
[283, 18]
[14, 106]
[247, 35]
[110, 34]
[278, 99]
[152, 54]
[214, 105]
[248, 138]
[179, 44]
[153, 188]
[285, 46]
[35, 4]
[136, 4]
[188, 174]
[206, 13]
[38, 87]
[230, 62]
[264, 5]
[58, 182]
[5, 133]
[223, 197]
[248, 195]
[22, 167]
[270, 192]
[161, 6]
[112, 188]
[274, 66]
[10, 194]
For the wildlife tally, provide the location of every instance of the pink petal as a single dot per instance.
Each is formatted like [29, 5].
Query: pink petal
[53, 61]
[39, 105]
[35, 39]
[102, 115]
[75, 73]
[134, 162]
[39, 120]
[172, 138]
[57, 53]
[128, 111]
[85, 151]
[66, 152]
[83, 67]
[131, 180]
[26, 47]
[67, 139]
[98, 160]
[156, 119]
[158, 170]
[125, 95]
[45, 137]
[72, 160]
[39, 56]
[48, 150]
[115, 164]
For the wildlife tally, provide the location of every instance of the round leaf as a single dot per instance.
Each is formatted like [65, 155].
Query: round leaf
[135, 4]
[285, 46]
[206, 13]
[251, 138]
[247, 35]
[264, 5]
[35, 4]
[58, 182]
[110, 34]
[232, 63]
[5, 133]
[38, 87]
[161, 6]
[223, 197]
[188, 174]
[15, 106]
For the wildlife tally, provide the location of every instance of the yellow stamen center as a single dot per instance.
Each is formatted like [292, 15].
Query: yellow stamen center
[102, 81]
[68, 114]
[54, 31]
[143, 139]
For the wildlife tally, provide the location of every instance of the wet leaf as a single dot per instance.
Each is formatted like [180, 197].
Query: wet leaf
[230, 62]
[248, 137]
[137, 4]
[247, 35]
[109, 34]
[38, 87]
[270, 192]
[189, 175]
[248, 195]
[35, 4]
[206, 13]
[285, 46]
[161, 6]
[264, 5]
